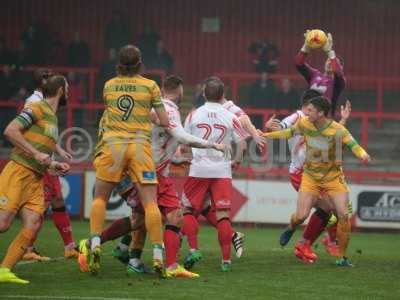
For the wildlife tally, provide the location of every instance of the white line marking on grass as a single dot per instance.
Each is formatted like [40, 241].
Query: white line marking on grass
[27, 262]
[63, 297]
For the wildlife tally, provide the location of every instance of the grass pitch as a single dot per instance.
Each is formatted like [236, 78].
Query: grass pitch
[264, 272]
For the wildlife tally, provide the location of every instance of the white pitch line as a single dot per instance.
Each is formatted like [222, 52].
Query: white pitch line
[63, 297]
[27, 262]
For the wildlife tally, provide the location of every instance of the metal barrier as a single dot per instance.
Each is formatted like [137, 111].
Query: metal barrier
[356, 82]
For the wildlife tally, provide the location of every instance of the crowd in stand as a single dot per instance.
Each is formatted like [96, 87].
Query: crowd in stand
[38, 47]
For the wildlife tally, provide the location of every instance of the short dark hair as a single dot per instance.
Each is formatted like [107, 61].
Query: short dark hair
[321, 104]
[40, 76]
[308, 95]
[172, 82]
[214, 89]
[52, 84]
[129, 61]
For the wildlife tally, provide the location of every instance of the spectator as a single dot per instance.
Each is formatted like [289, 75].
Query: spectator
[76, 90]
[78, 54]
[6, 56]
[288, 97]
[107, 70]
[147, 42]
[263, 93]
[76, 95]
[199, 99]
[8, 88]
[8, 82]
[21, 94]
[116, 33]
[265, 56]
[22, 57]
[161, 59]
[36, 42]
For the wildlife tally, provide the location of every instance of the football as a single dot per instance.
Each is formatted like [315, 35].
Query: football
[316, 38]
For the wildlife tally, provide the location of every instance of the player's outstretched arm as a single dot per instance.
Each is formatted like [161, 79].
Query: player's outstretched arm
[357, 150]
[280, 134]
[192, 141]
[13, 133]
[248, 126]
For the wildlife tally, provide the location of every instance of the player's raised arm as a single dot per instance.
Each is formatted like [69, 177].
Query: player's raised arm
[285, 133]
[14, 133]
[248, 126]
[300, 61]
[352, 144]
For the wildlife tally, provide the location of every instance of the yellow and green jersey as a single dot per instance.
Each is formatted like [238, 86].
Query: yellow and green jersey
[323, 147]
[128, 101]
[40, 125]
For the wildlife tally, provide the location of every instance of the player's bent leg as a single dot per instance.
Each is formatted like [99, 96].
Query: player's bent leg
[190, 230]
[341, 201]
[153, 221]
[103, 190]
[304, 204]
[6, 219]
[32, 254]
[31, 223]
[63, 224]
[225, 233]
[116, 229]
[90, 249]
[60, 214]
[172, 244]
[135, 264]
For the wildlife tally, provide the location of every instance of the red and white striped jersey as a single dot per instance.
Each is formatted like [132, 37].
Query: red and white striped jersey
[297, 146]
[163, 143]
[233, 108]
[214, 123]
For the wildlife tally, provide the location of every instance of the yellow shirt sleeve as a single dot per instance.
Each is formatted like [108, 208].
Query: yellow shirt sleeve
[29, 115]
[156, 97]
[286, 133]
[352, 144]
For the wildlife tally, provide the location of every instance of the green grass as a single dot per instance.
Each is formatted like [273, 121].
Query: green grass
[264, 272]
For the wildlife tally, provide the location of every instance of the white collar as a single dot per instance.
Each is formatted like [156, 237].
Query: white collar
[38, 93]
[170, 102]
[212, 104]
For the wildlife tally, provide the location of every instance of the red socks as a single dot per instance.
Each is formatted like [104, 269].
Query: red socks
[172, 244]
[332, 232]
[117, 229]
[190, 229]
[63, 224]
[225, 233]
[316, 225]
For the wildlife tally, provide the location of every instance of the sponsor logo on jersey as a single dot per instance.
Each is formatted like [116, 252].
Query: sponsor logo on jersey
[147, 175]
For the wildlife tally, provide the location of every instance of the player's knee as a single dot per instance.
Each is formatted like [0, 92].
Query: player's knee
[301, 217]
[57, 202]
[222, 214]
[343, 215]
[137, 220]
[4, 225]
[33, 222]
[175, 218]
[5, 222]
